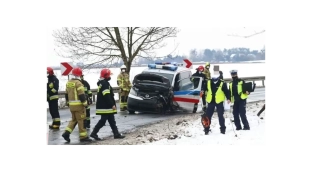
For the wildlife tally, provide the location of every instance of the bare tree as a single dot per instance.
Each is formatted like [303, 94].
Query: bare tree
[103, 45]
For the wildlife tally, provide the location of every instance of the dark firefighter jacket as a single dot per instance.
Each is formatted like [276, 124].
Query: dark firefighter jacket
[52, 88]
[196, 81]
[75, 95]
[105, 98]
[214, 88]
[87, 89]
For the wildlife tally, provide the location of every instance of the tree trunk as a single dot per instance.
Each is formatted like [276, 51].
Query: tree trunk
[128, 65]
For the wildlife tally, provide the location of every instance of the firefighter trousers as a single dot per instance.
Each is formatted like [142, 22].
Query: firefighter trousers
[78, 117]
[239, 111]
[123, 100]
[111, 120]
[53, 108]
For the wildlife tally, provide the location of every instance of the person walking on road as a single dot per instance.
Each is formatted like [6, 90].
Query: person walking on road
[88, 93]
[239, 97]
[105, 106]
[217, 91]
[123, 81]
[77, 101]
[206, 71]
[52, 98]
[199, 73]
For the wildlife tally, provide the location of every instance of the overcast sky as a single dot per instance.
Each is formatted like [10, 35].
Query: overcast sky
[191, 38]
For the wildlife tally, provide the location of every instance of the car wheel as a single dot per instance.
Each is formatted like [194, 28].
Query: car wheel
[131, 112]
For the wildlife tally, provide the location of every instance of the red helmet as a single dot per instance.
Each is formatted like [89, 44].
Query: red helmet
[50, 71]
[200, 68]
[105, 73]
[77, 72]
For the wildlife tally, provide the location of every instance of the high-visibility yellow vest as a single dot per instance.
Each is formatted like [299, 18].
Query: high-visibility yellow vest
[239, 91]
[219, 97]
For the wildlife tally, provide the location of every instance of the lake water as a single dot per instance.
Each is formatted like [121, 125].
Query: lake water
[92, 75]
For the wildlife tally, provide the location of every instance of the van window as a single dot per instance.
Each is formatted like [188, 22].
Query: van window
[185, 82]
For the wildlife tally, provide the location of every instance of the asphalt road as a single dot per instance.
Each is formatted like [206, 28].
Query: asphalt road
[124, 121]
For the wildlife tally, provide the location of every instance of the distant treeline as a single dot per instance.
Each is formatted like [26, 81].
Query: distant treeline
[214, 56]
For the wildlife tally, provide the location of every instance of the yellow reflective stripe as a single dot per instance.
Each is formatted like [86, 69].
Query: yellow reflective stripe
[85, 89]
[80, 88]
[85, 103]
[87, 118]
[105, 111]
[106, 91]
[51, 85]
[54, 97]
[89, 92]
[56, 119]
[88, 107]
[118, 79]
[83, 134]
[53, 90]
[68, 129]
[74, 102]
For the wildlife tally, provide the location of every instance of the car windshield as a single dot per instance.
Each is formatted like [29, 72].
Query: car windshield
[169, 76]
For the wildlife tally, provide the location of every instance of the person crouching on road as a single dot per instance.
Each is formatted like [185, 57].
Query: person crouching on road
[239, 97]
[217, 91]
[77, 102]
[199, 73]
[88, 93]
[52, 97]
[105, 106]
[123, 81]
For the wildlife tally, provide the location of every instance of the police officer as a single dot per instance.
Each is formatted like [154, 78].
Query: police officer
[124, 84]
[206, 71]
[105, 105]
[88, 93]
[52, 98]
[217, 91]
[77, 102]
[239, 96]
[199, 73]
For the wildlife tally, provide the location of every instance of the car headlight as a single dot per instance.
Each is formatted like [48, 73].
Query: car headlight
[133, 92]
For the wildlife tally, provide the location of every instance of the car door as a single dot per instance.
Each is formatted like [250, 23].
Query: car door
[188, 93]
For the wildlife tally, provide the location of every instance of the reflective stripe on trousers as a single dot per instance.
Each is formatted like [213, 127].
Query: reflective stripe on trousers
[108, 111]
[76, 102]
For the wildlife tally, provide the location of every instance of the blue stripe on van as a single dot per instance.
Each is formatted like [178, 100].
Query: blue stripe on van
[187, 92]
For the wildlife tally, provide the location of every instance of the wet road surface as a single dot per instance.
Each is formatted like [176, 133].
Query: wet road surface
[125, 122]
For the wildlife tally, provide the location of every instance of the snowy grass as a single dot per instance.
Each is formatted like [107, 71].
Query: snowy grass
[255, 136]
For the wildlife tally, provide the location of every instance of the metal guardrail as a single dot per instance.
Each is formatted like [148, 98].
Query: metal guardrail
[116, 89]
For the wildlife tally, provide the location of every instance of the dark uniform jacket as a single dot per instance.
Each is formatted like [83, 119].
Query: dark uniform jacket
[105, 98]
[52, 88]
[196, 81]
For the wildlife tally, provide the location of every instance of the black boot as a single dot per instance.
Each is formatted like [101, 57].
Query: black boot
[94, 133]
[86, 124]
[117, 135]
[85, 139]
[222, 130]
[246, 128]
[66, 135]
[238, 128]
[207, 130]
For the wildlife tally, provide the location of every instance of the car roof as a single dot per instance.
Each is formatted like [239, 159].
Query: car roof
[180, 69]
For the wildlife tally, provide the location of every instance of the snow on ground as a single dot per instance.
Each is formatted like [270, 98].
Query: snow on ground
[195, 134]
[186, 129]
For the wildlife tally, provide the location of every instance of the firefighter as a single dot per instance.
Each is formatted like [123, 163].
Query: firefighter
[77, 101]
[206, 71]
[124, 84]
[199, 73]
[217, 91]
[105, 106]
[52, 98]
[88, 93]
[239, 97]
